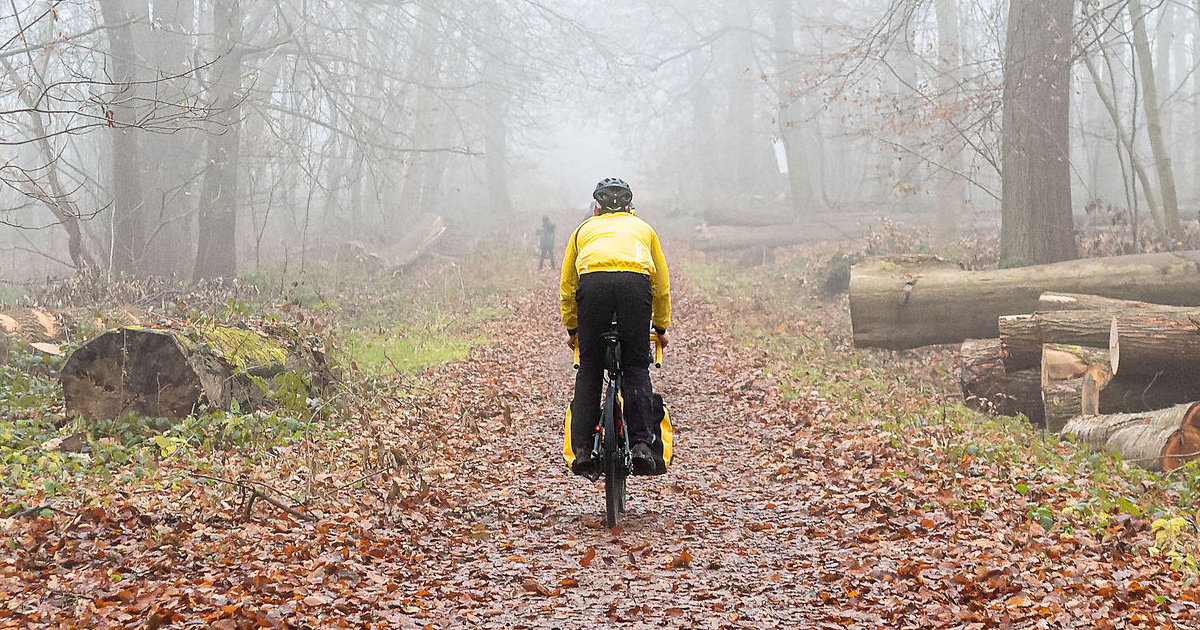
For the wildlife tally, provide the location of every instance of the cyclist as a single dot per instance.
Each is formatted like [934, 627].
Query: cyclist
[614, 266]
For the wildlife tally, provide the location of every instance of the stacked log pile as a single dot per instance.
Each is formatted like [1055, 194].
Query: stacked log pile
[1116, 366]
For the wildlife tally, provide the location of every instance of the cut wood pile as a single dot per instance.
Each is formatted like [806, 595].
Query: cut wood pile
[911, 301]
[1117, 375]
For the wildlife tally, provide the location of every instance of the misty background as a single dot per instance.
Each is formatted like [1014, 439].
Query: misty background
[200, 138]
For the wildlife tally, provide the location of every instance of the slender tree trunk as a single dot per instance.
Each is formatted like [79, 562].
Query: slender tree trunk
[59, 200]
[423, 70]
[1036, 224]
[216, 247]
[789, 119]
[705, 173]
[1123, 139]
[170, 158]
[1151, 107]
[125, 60]
[1196, 106]
[948, 178]
[739, 137]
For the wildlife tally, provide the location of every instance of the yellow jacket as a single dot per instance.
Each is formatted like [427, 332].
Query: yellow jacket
[615, 241]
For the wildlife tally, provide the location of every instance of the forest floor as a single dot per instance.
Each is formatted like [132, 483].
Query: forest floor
[813, 486]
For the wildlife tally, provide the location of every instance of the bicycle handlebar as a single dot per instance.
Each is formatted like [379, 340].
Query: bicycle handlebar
[658, 351]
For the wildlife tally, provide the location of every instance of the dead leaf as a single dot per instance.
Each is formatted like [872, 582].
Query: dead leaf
[587, 558]
[533, 586]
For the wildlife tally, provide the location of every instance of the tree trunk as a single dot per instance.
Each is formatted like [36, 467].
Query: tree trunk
[170, 157]
[216, 247]
[1146, 343]
[1123, 138]
[123, 113]
[737, 49]
[1036, 224]
[1156, 440]
[906, 302]
[59, 202]
[1151, 107]
[989, 388]
[948, 177]
[790, 120]
[1196, 104]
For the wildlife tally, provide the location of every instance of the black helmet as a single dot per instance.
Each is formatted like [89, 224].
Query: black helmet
[613, 194]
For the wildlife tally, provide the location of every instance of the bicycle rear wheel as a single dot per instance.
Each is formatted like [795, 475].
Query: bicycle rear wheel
[614, 465]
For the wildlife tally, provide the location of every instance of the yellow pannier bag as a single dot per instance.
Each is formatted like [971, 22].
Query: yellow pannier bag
[663, 447]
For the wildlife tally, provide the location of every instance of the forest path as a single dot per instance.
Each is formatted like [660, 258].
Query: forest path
[721, 540]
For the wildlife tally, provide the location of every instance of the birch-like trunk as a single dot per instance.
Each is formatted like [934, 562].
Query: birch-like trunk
[1151, 107]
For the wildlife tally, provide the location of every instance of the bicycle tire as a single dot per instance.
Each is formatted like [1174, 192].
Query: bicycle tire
[614, 481]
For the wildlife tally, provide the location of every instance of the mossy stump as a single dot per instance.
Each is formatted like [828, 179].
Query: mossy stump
[168, 373]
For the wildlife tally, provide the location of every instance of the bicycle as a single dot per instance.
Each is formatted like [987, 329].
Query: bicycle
[610, 446]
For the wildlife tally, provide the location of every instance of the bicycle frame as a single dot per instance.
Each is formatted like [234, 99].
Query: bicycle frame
[610, 445]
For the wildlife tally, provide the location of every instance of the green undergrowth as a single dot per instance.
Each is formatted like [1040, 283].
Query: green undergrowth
[426, 316]
[372, 324]
[44, 453]
[913, 397]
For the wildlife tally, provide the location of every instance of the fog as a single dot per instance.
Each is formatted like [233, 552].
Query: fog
[204, 138]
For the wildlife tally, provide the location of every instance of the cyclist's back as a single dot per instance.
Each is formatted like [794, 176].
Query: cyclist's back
[613, 267]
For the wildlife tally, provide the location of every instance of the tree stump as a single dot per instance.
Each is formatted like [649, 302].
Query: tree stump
[168, 373]
[1156, 440]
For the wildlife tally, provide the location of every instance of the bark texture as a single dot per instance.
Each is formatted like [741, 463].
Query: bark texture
[1022, 336]
[1036, 224]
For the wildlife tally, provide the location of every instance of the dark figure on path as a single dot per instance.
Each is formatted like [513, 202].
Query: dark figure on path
[547, 237]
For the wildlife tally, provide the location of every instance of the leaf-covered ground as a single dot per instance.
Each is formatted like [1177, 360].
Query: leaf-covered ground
[447, 505]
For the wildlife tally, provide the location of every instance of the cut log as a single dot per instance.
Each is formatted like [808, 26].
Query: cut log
[1144, 343]
[1062, 400]
[168, 373]
[1156, 440]
[912, 301]
[727, 237]
[1070, 373]
[1083, 302]
[30, 325]
[1063, 362]
[1022, 336]
[989, 388]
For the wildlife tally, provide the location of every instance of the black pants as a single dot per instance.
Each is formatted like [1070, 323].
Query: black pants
[600, 296]
[547, 254]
